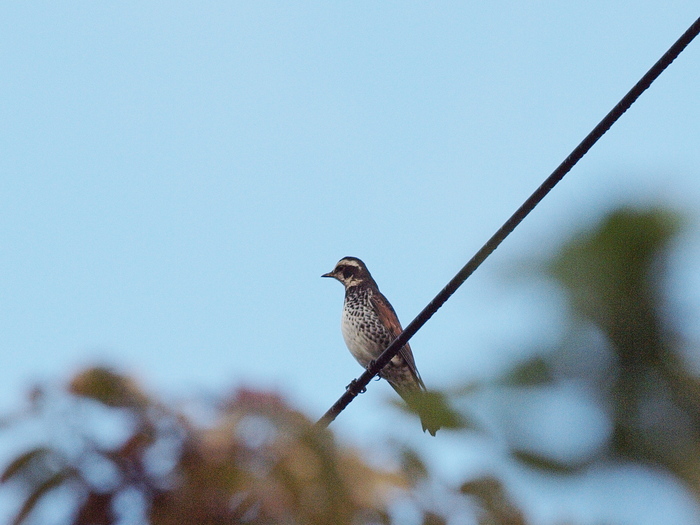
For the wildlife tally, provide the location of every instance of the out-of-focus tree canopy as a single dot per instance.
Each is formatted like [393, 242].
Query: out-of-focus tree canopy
[252, 458]
[615, 279]
[257, 461]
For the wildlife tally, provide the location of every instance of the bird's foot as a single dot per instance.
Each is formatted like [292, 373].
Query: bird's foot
[371, 365]
[353, 386]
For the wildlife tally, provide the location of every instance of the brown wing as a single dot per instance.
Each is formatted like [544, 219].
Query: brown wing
[388, 318]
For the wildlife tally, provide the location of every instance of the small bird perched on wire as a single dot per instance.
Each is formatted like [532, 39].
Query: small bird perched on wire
[369, 325]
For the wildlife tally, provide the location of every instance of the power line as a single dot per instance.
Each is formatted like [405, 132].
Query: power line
[358, 385]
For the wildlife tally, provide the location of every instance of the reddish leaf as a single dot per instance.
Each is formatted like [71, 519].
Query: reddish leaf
[97, 510]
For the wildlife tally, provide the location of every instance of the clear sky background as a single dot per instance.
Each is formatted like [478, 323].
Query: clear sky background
[175, 177]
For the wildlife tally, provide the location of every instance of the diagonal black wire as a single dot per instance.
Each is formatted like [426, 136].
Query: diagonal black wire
[603, 126]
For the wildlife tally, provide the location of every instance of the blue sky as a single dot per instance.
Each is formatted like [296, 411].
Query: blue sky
[175, 177]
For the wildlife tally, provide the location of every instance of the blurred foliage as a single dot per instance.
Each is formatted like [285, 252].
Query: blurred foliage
[434, 407]
[615, 280]
[260, 461]
[497, 507]
[254, 459]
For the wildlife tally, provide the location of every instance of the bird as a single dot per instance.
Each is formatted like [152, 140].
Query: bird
[369, 324]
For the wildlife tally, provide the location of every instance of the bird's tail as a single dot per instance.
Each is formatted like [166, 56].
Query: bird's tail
[430, 426]
[419, 401]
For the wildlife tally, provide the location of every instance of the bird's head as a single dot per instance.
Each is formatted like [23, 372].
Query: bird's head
[350, 271]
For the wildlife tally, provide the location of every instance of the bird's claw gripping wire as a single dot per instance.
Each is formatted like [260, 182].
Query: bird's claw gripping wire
[353, 386]
[371, 365]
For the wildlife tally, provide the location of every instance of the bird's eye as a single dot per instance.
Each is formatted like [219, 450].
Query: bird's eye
[347, 272]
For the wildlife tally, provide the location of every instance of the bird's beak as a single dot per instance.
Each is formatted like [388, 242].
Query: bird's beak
[329, 274]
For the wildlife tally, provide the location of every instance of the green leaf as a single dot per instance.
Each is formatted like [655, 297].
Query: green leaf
[430, 518]
[540, 462]
[413, 465]
[433, 406]
[107, 387]
[609, 272]
[24, 461]
[533, 372]
[29, 504]
[496, 503]
[486, 488]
